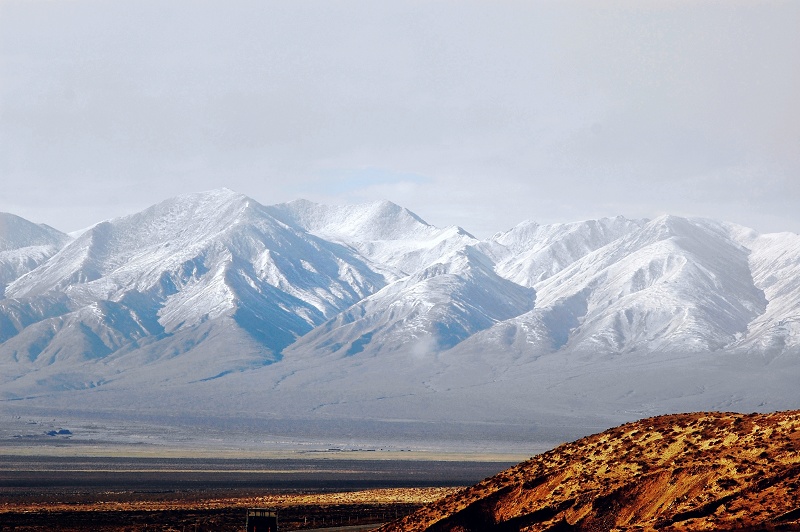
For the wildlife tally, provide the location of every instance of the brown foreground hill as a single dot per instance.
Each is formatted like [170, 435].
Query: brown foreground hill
[704, 471]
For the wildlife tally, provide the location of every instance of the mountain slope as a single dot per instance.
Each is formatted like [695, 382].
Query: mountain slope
[392, 238]
[178, 265]
[436, 307]
[775, 263]
[530, 253]
[706, 471]
[24, 246]
[673, 285]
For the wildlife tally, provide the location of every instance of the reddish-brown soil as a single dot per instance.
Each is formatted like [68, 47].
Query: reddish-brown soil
[705, 471]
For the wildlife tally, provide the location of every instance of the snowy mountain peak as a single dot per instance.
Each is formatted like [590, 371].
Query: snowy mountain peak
[381, 220]
[24, 246]
[16, 233]
[669, 225]
[165, 234]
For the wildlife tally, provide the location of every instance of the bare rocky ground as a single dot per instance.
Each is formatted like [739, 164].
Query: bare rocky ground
[688, 472]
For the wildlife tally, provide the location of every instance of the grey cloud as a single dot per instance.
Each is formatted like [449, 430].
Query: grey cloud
[505, 110]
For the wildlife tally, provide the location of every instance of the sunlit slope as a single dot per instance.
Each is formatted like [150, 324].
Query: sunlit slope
[706, 471]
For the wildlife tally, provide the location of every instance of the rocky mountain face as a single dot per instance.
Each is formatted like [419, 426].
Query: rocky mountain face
[705, 471]
[220, 303]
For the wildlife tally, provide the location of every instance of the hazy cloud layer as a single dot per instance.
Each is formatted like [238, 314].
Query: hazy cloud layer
[476, 113]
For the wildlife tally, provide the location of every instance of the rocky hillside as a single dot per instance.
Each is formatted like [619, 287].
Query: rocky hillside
[706, 471]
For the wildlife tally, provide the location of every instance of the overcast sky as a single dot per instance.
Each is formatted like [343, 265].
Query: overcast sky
[481, 114]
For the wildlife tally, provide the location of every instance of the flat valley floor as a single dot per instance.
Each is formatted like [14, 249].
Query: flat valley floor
[115, 493]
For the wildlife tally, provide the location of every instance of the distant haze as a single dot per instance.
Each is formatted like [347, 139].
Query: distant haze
[476, 113]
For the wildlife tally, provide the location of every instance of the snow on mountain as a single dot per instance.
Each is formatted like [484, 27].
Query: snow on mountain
[674, 286]
[394, 239]
[24, 246]
[378, 357]
[677, 284]
[18, 233]
[382, 220]
[182, 237]
[183, 262]
[529, 253]
[775, 263]
[212, 302]
[429, 311]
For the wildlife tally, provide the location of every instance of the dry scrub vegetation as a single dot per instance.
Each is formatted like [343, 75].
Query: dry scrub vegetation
[275, 500]
[705, 471]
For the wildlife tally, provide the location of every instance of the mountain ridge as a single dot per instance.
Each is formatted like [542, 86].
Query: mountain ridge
[381, 315]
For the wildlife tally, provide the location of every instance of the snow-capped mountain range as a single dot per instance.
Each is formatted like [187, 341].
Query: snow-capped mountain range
[368, 312]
